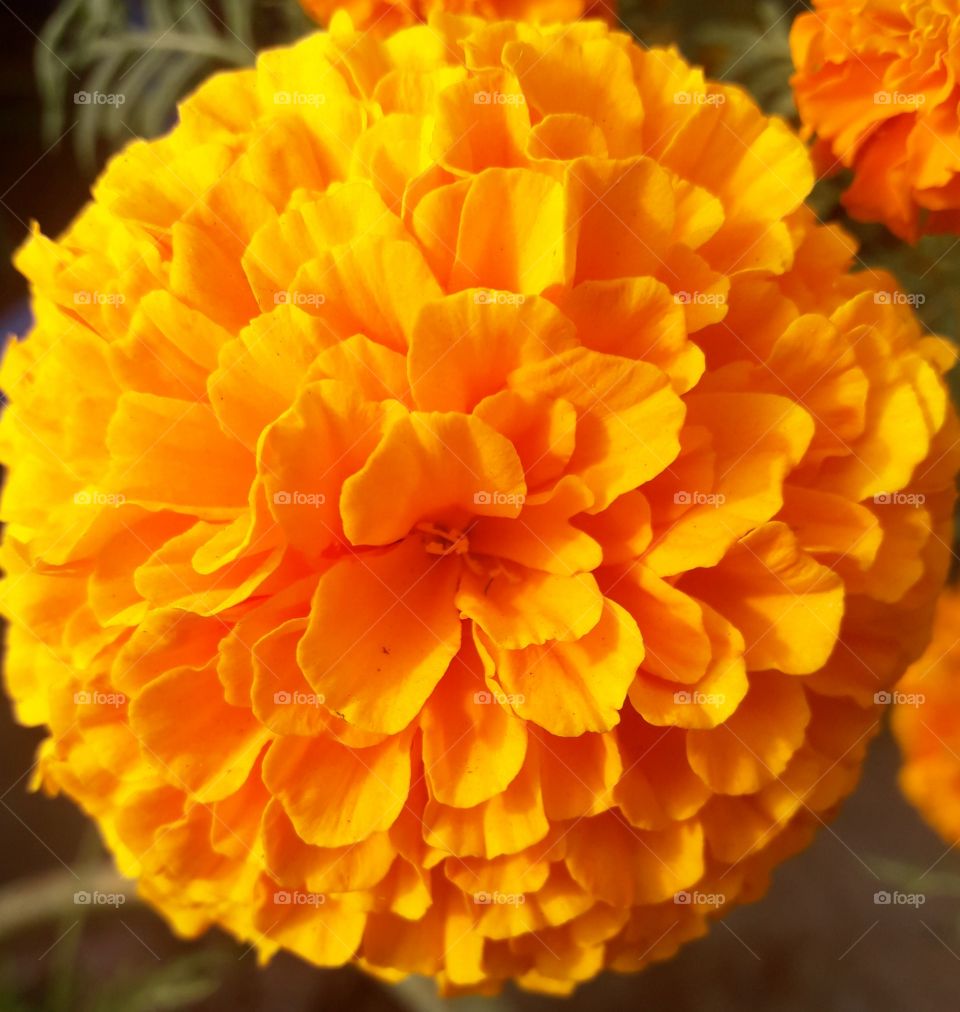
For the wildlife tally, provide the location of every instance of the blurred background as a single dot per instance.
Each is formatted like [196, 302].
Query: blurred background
[820, 939]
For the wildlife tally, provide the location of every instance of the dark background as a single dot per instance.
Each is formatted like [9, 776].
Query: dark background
[35, 181]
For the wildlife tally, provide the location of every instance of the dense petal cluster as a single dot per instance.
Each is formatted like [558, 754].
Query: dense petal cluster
[385, 16]
[926, 722]
[878, 82]
[457, 505]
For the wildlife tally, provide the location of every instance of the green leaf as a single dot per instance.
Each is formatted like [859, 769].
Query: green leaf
[90, 117]
[175, 984]
[239, 20]
[52, 72]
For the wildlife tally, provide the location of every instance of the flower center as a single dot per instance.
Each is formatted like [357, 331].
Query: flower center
[443, 540]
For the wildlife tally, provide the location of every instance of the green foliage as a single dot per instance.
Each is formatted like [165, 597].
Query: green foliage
[929, 269]
[754, 53]
[172, 985]
[105, 78]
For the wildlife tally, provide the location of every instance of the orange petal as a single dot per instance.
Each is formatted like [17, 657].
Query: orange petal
[571, 688]
[465, 346]
[755, 744]
[473, 745]
[176, 716]
[390, 615]
[361, 792]
[437, 466]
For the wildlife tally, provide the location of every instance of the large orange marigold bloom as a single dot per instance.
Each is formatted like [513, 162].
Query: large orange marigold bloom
[926, 721]
[878, 82]
[441, 521]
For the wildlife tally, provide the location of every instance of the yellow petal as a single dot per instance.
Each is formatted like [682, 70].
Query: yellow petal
[525, 247]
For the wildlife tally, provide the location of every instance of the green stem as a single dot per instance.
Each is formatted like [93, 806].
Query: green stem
[50, 896]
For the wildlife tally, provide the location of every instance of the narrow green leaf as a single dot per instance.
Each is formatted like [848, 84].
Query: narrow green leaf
[101, 81]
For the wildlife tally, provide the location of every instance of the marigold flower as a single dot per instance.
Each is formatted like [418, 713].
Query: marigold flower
[446, 523]
[926, 704]
[878, 82]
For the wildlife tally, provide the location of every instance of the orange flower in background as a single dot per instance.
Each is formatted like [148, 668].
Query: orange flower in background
[878, 82]
[926, 722]
[461, 506]
[385, 16]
